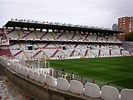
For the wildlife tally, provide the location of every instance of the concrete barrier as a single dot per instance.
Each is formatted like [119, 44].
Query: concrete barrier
[38, 91]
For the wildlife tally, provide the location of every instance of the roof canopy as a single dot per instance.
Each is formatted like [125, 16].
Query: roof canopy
[58, 26]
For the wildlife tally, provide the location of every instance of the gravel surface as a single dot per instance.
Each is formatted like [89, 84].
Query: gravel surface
[8, 91]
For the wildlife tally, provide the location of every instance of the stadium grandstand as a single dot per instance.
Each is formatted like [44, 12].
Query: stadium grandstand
[25, 40]
[32, 40]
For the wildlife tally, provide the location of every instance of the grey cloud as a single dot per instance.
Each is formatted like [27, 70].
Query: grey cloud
[101, 13]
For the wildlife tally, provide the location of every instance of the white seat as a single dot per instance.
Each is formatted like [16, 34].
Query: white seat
[26, 72]
[23, 70]
[17, 68]
[31, 74]
[76, 87]
[4, 61]
[42, 78]
[92, 90]
[51, 81]
[36, 76]
[109, 93]
[12, 64]
[126, 94]
[45, 70]
[62, 84]
[14, 67]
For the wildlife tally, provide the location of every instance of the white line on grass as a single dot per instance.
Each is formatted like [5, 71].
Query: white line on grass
[120, 79]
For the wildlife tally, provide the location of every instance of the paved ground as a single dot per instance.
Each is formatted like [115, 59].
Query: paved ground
[8, 91]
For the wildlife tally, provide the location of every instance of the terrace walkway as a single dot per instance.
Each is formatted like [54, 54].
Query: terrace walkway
[9, 91]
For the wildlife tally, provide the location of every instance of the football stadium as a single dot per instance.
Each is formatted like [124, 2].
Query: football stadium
[48, 53]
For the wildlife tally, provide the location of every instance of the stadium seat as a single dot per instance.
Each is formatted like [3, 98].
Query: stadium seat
[76, 87]
[126, 94]
[36, 76]
[92, 90]
[14, 67]
[42, 78]
[109, 93]
[51, 81]
[31, 74]
[45, 70]
[23, 70]
[62, 84]
[12, 64]
[17, 68]
[26, 72]
[4, 61]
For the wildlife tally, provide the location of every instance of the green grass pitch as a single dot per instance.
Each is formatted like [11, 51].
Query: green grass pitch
[114, 70]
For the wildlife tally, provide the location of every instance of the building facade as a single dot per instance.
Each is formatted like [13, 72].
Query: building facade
[131, 24]
[125, 24]
[115, 27]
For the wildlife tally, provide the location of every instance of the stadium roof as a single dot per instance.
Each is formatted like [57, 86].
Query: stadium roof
[59, 26]
[1, 28]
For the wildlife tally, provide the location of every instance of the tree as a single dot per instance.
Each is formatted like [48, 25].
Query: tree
[129, 36]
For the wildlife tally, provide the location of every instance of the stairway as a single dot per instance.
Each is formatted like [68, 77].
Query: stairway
[18, 53]
[43, 35]
[86, 37]
[54, 53]
[121, 52]
[99, 52]
[36, 54]
[86, 52]
[110, 52]
[59, 36]
[73, 36]
[75, 45]
[26, 35]
[46, 45]
[72, 53]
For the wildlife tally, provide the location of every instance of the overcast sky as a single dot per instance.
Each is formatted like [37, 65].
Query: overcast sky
[98, 13]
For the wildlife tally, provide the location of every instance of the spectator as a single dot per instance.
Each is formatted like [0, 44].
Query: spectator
[72, 76]
[62, 73]
[65, 75]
